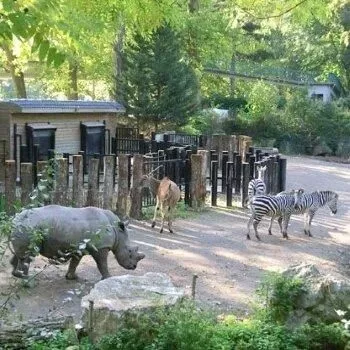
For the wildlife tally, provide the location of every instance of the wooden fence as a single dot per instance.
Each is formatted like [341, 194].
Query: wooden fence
[114, 184]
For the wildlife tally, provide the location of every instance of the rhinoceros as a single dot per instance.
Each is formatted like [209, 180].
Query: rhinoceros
[59, 232]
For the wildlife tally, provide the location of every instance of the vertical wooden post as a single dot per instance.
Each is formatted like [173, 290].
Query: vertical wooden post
[224, 171]
[251, 167]
[238, 173]
[78, 186]
[93, 182]
[275, 177]
[61, 194]
[197, 186]
[108, 183]
[214, 182]
[282, 174]
[123, 189]
[136, 193]
[229, 183]
[245, 182]
[40, 168]
[10, 186]
[26, 182]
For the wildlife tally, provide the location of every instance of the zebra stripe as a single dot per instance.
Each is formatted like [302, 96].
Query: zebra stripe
[281, 206]
[256, 187]
[309, 203]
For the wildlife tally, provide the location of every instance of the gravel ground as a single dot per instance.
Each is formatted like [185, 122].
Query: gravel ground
[212, 245]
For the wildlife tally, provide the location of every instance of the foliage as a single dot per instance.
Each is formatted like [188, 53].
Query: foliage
[187, 327]
[279, 295]
[150, 89]
[204, 122]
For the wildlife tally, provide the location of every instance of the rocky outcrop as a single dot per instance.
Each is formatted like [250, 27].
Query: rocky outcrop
[116, 296]
[324, 295]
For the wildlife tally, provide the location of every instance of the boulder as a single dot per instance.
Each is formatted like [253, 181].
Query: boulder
[324, 295]
[321, 149]
[117, 296]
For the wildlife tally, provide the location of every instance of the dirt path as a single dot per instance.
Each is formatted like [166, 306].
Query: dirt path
[213, 246]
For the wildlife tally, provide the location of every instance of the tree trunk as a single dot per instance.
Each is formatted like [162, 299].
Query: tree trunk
[232, 78]
[16, 73]
[72, 93]
[118, 49]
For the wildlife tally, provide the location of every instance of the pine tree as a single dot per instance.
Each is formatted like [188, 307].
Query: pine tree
[158, 85]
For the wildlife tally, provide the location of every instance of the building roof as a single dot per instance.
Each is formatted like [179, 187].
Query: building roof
[61, 106]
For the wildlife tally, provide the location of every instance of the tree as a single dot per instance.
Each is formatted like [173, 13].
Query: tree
[25, 24]
[158, 85]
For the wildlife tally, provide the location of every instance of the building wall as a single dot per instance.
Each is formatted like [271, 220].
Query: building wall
[324, 90]
[4, 141]
[67, 124]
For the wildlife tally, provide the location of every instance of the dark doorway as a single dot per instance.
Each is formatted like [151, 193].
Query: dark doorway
[42, 135]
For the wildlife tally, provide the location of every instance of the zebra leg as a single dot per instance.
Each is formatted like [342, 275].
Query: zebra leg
[311, 216]
[285, 221]
[255, 225]
[280, 219]
[249, 224]
[271, 222]
[306, 220]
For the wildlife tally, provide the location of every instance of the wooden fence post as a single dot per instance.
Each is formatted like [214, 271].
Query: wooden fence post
[93, 182]
[108, 183]
[214, 182]
[238, 173]
[245, 182]
[198, 189]
[275, 177]
[123, 189]
[78, 186]
[224, 171]
[10, 186]
[26, 182]
[61, 191]
[282, 174]
[136, 193]
[229, 184]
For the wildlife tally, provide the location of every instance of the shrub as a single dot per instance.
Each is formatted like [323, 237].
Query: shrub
[279, 295]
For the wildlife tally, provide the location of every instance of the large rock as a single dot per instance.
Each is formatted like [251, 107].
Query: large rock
[321, 149]
[116, 296]
[323, 296]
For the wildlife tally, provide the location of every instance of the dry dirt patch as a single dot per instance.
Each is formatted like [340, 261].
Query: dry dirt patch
[213, 246]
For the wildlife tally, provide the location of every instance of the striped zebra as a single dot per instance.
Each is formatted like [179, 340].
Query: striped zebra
[257, 186]
[308, 204]
[280, 206]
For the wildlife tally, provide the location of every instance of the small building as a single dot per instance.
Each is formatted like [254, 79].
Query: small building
[66, 126]
[325, 92]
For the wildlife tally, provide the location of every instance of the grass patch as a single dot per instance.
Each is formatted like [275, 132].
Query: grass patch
[182, 211]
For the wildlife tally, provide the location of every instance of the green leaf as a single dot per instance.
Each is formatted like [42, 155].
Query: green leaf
[59, 59]
[8, 5]
[38, 38]
[51, 55]
[43, 49]
[5, 30]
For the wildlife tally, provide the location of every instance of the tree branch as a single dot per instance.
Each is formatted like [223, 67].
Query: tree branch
[272, 16]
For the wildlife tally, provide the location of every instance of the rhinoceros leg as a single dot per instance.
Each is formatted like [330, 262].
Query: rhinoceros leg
[20, 266]
[101, 260]
[74, 262]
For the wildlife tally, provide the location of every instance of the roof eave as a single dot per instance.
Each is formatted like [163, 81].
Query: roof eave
[68, 110]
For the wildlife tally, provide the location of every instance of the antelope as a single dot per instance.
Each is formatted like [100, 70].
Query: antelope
[167, 194]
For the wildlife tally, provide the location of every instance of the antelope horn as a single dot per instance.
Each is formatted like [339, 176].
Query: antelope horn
[160, 166]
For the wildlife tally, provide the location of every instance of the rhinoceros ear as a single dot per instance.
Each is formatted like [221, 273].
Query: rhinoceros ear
[121, 225]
